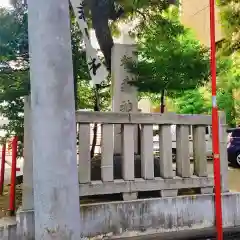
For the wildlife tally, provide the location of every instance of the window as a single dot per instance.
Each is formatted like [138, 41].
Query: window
[236, 133]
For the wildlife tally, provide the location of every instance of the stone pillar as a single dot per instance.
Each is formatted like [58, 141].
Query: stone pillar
[55, 174]
[124, 96]
[27, 192]
[223, 151]
[25, 215]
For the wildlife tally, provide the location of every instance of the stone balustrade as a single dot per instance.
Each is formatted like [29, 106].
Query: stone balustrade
[156, 174]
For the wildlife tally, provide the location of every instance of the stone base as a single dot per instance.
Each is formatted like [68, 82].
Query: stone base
[158, 216]
[139, 217]
[129, 196]
[208, 190]
[8, 229]
[169, 193]
[25, 222]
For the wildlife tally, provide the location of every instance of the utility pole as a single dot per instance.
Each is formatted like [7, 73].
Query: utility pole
[56, 190]
[215, 127]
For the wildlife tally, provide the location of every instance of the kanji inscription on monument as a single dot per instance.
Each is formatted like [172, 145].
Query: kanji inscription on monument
[124, 95]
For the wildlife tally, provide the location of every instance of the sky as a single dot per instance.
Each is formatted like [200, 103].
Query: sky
[4, 3]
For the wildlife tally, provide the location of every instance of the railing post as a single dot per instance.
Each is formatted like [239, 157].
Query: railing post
[199, 151]
[183, 158]
[166, 168]
[223, 151]
[84, 163]
[128, 152]
[107, 153]
[147, 160]
[128, 170]
[165, 148]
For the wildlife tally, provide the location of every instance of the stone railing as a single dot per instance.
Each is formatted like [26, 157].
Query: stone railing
[129, 173]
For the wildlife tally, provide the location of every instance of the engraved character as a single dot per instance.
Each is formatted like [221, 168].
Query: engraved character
[81, 12]
[93, 66]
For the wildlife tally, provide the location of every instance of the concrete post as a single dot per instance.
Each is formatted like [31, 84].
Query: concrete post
[25, 215]
[223, 151]
[27, 195]
[55, 175]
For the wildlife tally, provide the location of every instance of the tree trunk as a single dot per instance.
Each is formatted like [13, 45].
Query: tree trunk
[162, 102]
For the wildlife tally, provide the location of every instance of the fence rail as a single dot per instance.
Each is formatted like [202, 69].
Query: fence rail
[155, 173]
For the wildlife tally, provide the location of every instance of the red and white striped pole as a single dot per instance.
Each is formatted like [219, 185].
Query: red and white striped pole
[215, 127]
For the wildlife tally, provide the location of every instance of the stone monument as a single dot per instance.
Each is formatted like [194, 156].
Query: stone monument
[124, 96]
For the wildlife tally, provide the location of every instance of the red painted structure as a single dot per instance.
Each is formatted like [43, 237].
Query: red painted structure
[215, 128]
[2, 168]
[13, 177]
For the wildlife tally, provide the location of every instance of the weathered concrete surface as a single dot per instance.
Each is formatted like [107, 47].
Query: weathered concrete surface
[55, 177]
[207, 234]
[27, 187]
[153, 217]
[25, 225]
[157, 215]
[8, 229]
[124, 95]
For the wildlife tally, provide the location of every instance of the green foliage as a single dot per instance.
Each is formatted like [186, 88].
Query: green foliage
[230, 18]
[229, 83]
[192, 102]
[226, 103]
[169, 57]
[14, 70]
[139, 7]
[135, 9]
[14, 79]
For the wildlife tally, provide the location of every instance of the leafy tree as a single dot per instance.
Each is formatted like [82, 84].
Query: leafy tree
[169, 57]
[230, 18]
[103, 11]
[14, 69]
[228, 83]
[14, 79]
[199, 100]
[192, 102]
[230, 48]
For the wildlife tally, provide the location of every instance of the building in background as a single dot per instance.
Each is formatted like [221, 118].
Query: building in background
[195, 14]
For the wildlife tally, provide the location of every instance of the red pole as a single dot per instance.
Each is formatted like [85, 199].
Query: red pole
[215, 128]
[13, 177]
[2, 168]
